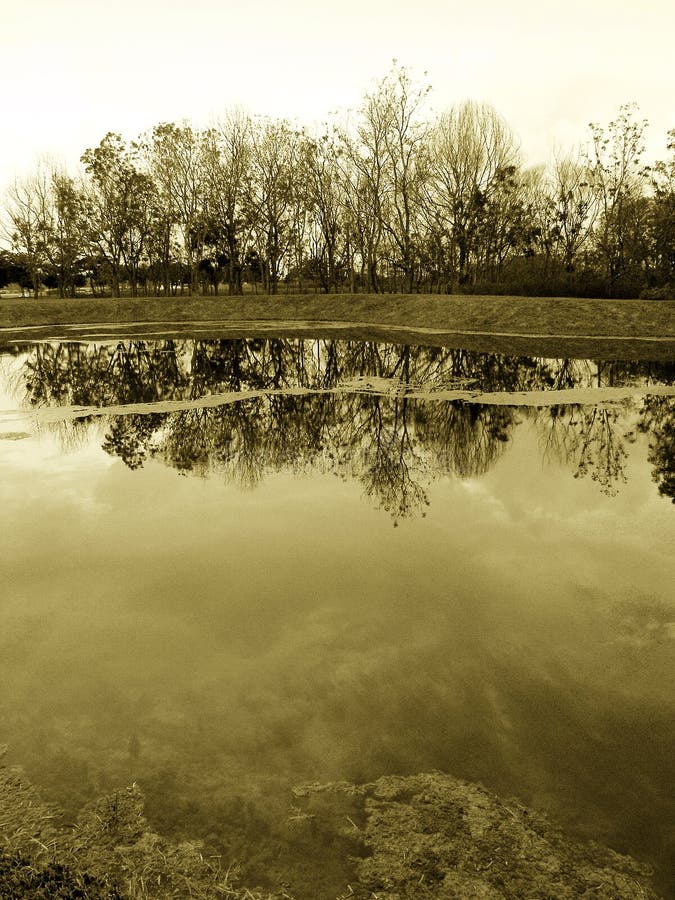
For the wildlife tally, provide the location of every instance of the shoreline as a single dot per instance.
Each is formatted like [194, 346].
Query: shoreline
[553, 327]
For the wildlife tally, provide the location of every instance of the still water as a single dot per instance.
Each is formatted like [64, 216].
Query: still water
[229, 567]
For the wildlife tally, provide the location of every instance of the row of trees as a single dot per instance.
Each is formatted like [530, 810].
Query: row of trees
[387, 201]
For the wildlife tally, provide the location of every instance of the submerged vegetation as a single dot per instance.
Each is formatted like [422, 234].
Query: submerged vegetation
[434, 837]
[110, 852]
[392, 199]
[422, 836]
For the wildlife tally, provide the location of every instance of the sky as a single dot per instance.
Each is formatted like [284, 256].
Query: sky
[72, 70]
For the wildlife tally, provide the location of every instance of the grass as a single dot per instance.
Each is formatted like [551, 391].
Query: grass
[519, 324]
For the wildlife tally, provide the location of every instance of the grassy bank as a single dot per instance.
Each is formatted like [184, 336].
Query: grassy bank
[572, 326]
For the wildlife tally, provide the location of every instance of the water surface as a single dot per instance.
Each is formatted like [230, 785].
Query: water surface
[232, 566]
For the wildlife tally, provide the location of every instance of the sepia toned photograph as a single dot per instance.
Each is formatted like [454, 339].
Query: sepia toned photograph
[337, 450]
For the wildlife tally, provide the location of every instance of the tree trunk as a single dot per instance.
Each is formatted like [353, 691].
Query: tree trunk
[373, 280]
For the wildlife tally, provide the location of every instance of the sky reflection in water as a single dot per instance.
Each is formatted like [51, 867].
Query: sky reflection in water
[264, 623]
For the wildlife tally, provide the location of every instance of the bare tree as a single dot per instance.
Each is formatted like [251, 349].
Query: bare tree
[274, 160]
[396, 107]
[383, 170]
[27, 203]
[228, 150]
[177, 165]
[472, 152]
[362, 165]
[321, 177]
[574, 207]
[617, 173]
[45, 223]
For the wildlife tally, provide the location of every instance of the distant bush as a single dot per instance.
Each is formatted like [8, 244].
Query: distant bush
[664, 292]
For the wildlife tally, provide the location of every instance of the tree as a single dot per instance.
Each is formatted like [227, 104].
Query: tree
[12, 270]
[66, 244]
[390, 200]
[363, 159]
[28, 200]
[274, 161]
[176, 157]
[574, 207]
[506, 225]
[393, 129]
[662, 220]
[227, 160]
[473, 156]
[384, 166]
[617, 176]
[115, 205]
[45, 225]
[324, 198]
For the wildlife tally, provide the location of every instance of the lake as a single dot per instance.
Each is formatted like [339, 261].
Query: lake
[233, 566]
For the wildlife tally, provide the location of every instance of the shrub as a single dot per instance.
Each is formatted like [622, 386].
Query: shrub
[664, 292]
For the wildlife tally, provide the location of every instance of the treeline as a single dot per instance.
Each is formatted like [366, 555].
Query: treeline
[389, 201]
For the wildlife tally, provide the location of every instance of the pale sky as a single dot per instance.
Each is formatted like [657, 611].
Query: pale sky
[72, 70]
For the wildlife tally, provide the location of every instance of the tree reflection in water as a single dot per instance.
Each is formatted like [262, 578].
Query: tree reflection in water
[658, 420]
[590, 440]
[357, 422]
